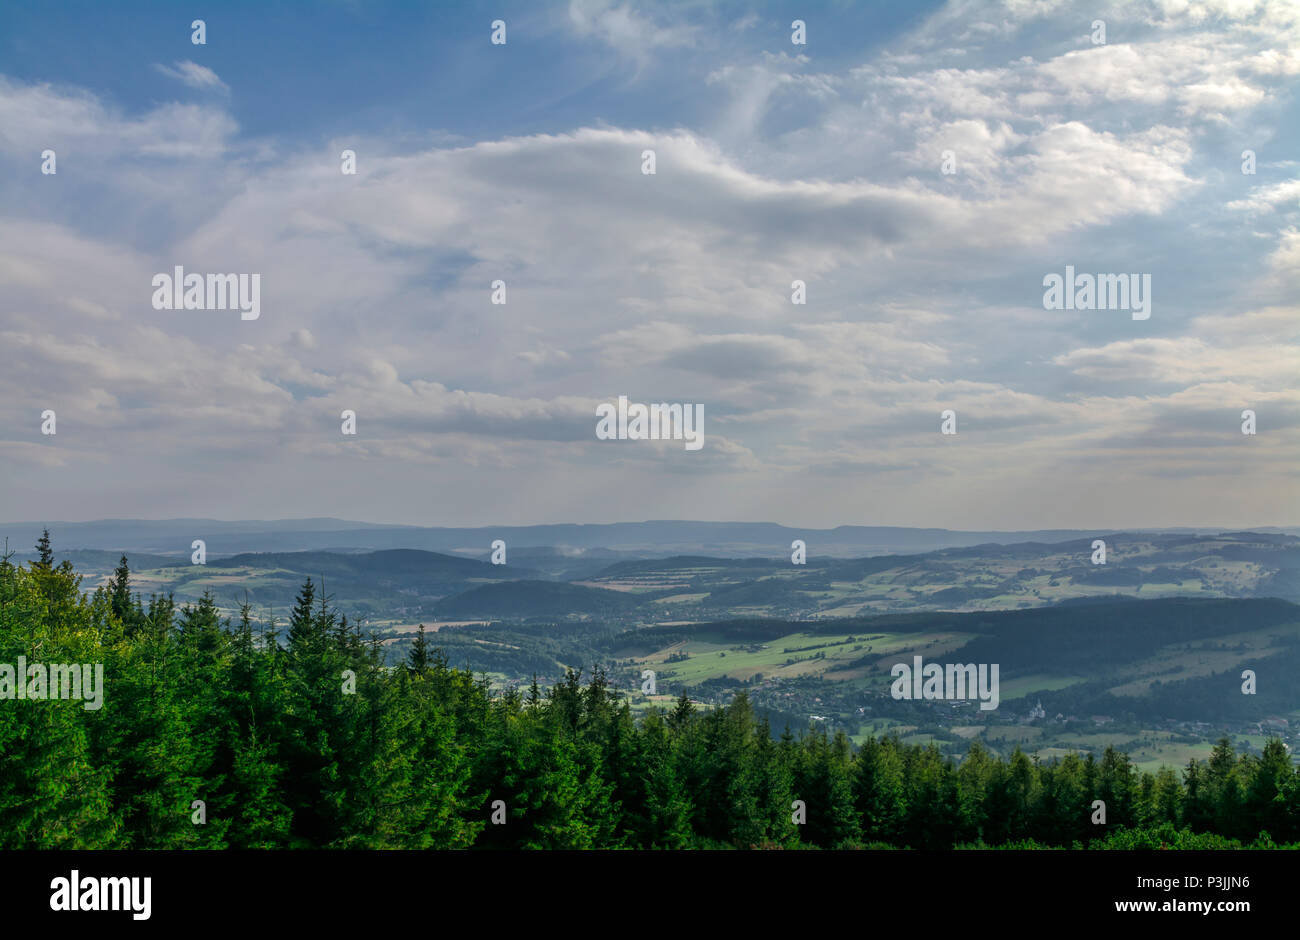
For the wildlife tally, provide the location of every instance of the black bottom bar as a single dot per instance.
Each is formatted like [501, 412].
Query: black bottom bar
[336, 890]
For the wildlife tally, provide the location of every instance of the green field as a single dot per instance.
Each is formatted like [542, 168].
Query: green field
[1021, 686]
[795, 655]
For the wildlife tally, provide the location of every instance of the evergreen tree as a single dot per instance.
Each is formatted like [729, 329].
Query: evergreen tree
[878, 789]
[1266, 796]
[682, 711]
[120, 592]
[417, 660]
[323, 743]
[45, 557]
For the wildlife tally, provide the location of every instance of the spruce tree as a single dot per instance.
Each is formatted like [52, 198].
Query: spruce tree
[417, 660]
[45, 557]
[120, 591]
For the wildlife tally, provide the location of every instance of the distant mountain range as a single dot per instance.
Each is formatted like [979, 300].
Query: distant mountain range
[173, 537]
[404, 586]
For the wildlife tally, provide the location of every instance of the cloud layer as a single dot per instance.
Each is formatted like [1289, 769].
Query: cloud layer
[924, 289]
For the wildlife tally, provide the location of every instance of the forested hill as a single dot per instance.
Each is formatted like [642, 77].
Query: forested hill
[407, 586]
[309, 739]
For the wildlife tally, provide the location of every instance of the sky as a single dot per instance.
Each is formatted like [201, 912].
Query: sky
[921, 167]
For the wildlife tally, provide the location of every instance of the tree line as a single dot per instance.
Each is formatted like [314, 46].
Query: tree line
[214, 734]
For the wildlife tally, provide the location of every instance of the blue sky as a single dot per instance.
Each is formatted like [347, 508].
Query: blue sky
[521, 162]
[331, 68]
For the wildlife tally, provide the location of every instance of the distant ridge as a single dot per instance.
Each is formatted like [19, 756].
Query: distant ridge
[173, 537]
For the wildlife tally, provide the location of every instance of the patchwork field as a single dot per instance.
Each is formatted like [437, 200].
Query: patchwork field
[1206, 657]
[796, 655]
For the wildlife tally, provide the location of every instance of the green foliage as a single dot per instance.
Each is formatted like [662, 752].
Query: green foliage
[316, 742]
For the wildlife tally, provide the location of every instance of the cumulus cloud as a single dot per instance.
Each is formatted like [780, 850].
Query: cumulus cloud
[923, 290]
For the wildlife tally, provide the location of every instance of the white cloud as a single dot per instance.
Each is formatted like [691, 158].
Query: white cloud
[194, 75]
[672, 287]
[632, 33]
[1285, 195]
